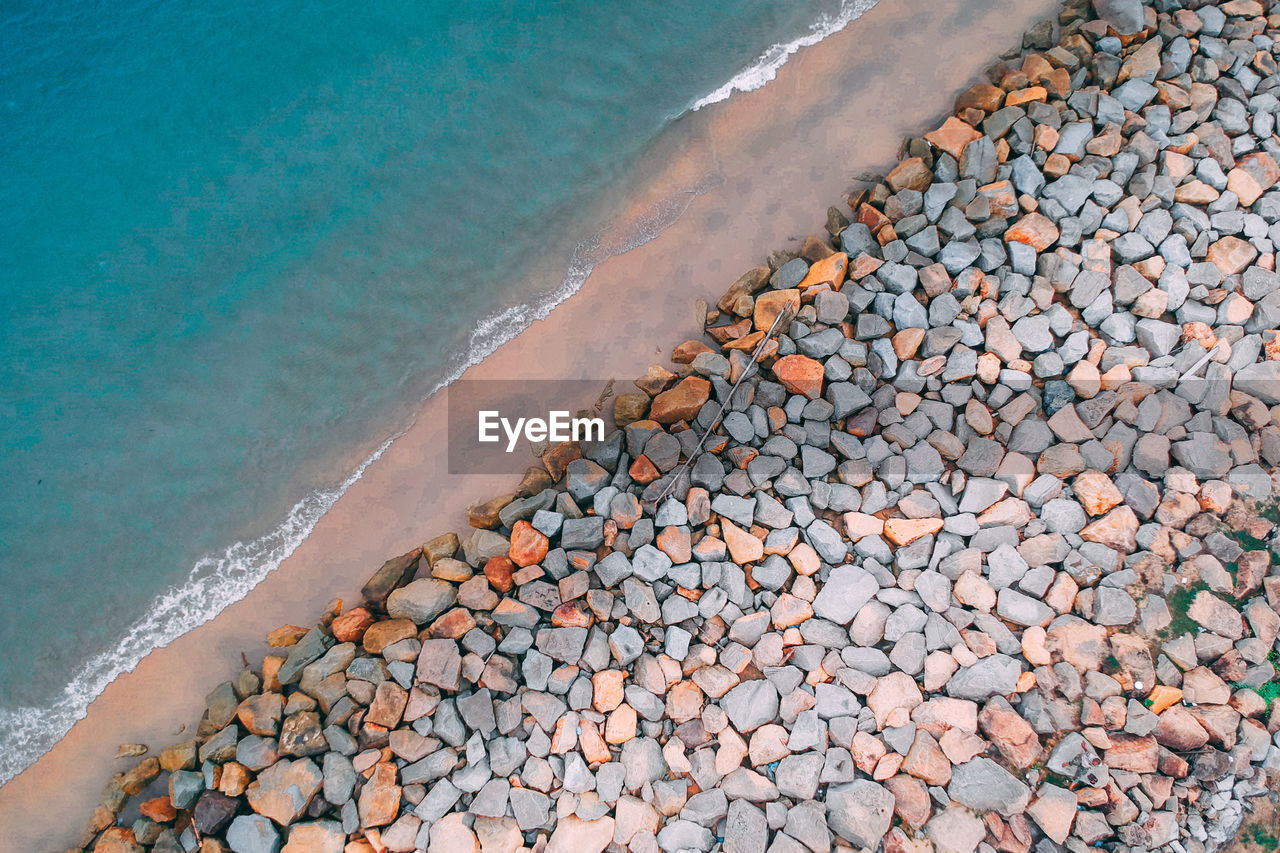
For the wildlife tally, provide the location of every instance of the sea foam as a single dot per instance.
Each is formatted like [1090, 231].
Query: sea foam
[765, 68]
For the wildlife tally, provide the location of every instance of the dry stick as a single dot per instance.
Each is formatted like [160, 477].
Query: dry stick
[785, 314]
[1204, 359]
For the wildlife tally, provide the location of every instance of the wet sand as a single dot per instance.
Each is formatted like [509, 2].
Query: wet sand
[780, 157]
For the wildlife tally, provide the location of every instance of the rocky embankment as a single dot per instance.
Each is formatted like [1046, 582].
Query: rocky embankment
[977, 560]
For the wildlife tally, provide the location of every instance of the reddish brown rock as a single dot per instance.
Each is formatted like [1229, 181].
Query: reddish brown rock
[800, 374]
[681, 403]
[350, 626]
[499, 570]
[528, 546]
[953, 136]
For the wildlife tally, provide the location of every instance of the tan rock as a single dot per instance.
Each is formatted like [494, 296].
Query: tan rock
[910, 174]
[893, 699]
[769, 305]
[1178, 730]
[1117, 529]
[282, 791]
[1253, 175]
[1129, 752]
[904, 531]
[743, 547]
[450, 834]
[1231, 254]
[858, 525]
[1054, 811]
[1096, 492]
[926, 760]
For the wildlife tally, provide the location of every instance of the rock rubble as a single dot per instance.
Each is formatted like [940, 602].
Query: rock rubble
[977, 560]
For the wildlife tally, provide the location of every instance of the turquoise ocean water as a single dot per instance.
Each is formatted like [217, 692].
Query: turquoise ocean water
[240, 239]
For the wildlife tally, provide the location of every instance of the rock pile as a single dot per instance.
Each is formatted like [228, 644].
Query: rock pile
[974, 562]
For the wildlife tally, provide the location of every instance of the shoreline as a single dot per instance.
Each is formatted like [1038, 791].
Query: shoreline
[771, 192]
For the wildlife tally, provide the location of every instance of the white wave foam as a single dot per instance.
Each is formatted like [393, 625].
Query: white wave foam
[217, 582]
[766, 65]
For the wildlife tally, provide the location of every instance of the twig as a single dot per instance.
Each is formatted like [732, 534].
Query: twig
[785, 314]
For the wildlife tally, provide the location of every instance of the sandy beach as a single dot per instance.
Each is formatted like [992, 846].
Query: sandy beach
[779, 155]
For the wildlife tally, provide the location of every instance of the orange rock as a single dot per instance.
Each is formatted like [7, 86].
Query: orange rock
[160, 810]
[592, 745]
[682, 402]
[528, 546]
[770, 305]
[686, 352]
[643, 471]
[743, 547]
[285, 635]
[1034, 229]
[350, 626]
[607, 689]
[1026, 96]
[1096, 492]
[800, 374]
[117, 839]
[1163, 696]
[953, 136]
[904, 531]
[235, 778]
[498, 570]
[830, 270]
